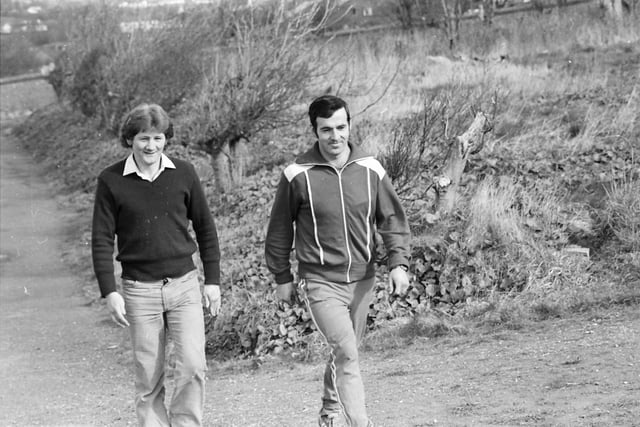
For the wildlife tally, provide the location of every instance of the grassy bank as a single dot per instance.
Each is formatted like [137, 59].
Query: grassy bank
[548, 222]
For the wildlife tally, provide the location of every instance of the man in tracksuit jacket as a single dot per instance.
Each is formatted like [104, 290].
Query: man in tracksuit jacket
[338, 198]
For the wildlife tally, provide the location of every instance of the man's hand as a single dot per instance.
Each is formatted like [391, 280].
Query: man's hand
[115, 304]
[285, 292]
[212, 299]
[398, 281]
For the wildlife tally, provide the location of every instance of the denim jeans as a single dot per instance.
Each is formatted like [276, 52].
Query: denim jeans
[339, 310]
[172, 306]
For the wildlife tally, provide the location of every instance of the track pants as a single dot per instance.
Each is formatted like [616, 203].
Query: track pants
[339, 310]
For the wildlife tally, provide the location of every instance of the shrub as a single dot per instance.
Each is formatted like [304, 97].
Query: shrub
[105, 72]
[411, 148]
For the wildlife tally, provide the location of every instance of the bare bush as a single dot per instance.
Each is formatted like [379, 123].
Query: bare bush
[105, 71]
[251, 84]
[89, 31]
[419, 143]
[415, 145]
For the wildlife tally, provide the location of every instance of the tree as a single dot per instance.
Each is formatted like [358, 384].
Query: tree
[253, 82]
[615, 8]
[105, 71]
[452, 13]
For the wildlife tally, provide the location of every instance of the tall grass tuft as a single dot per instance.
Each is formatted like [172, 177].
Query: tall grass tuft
[626, 118]
[494, 215]
[623, 212]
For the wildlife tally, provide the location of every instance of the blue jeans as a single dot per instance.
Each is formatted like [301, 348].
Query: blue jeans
[339, 310]
[153, 309]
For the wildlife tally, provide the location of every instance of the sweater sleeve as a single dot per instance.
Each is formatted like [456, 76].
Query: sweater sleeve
[205, 229]
[280, 233]
[102, 238]
[392, 224]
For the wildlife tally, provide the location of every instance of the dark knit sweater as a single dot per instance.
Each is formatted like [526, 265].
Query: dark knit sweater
[151, 221]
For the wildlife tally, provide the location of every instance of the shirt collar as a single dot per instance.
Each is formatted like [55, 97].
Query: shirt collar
[130, 166]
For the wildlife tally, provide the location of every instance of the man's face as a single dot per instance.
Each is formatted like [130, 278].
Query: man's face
[147, 147]
[333, 134]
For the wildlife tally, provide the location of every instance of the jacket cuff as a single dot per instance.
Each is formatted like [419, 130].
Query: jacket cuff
[398, 260]
[284, 277]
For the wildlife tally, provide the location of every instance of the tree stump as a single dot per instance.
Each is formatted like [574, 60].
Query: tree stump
[229, 164]
[448, 181]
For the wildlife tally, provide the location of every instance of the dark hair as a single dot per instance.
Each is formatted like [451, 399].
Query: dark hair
[143, 118]
[324, 106]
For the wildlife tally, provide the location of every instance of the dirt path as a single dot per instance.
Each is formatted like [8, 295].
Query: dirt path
[582, 371]
[63, 363]
[55, 361]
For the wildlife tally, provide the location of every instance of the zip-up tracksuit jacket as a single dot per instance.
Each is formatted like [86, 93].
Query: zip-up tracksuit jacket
[336, 213]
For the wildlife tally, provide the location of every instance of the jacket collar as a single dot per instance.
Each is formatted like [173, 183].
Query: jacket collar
[314, 157]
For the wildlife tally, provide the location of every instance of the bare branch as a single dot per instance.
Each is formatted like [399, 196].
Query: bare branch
[384, 92]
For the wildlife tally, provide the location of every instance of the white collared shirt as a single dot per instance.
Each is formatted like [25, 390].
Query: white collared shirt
[130, 167]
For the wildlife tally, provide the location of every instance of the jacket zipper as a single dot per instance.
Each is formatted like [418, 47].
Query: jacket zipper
[344, 214]
[344, 221]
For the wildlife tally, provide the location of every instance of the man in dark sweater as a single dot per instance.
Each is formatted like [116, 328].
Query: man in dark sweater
[148, 201]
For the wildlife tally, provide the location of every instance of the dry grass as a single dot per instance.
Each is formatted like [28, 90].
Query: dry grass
[494, 216]
[623, 212]
[625, 121]
[404, 331]
[526, 73]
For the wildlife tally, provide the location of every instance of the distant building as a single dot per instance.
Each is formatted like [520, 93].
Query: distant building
[9, 25]
[143, 4]
[131, 26]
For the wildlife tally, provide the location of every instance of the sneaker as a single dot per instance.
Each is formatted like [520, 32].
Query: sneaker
[326, 420]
